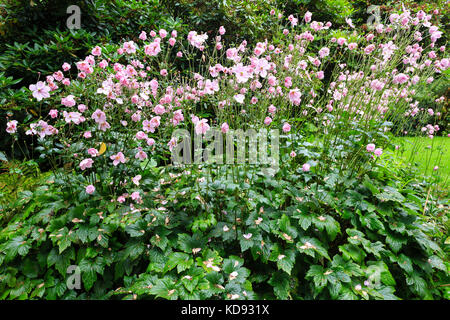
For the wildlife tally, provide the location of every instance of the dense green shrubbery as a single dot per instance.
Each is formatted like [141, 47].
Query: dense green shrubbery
[312, 236]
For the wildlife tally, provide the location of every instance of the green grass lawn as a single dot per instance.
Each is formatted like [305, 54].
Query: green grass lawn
[426, 153]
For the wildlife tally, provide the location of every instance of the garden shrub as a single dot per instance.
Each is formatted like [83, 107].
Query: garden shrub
[330, 221]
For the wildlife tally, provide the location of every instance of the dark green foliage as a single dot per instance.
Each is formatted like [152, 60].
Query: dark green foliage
[354, 238]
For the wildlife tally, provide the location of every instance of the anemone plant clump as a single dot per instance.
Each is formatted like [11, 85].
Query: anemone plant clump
[109, 135]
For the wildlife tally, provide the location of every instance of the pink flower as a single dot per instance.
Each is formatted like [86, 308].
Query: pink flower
[308, 16]
[143, 36]
[118, 158]
[87, 134]
[267, 121]
[286, 127]
[53, 113]
[324, 52]
[306, 167]
[349, 22]
[129, 47]
[136, 179]
[295, 96]
[202, 126]
[40, 90]
[86, 163]
[82, 108]
[164, 72]
[292, 154]
[136, 116]
[221, 30]
[97, 51]
[136, 196]
[378, 152]
[74, 117]
[400, 78]
[239, 98]
[141, 155]
[370, 147]
[272, 109]
[152, 49]
[103, 64]
[90, 189]
[159, 109]
[352, 46]
[377, 85]
[99, 116]
[11, 126]
[104, 126]
[58, 76]
[288, 82]
[369, 49]
[150, 126]
[242, 73]
[66, 66]
[68, 101]
[140, 135]
[197, 40]
[224, 127]
[194, 119]
[93, 152]
[172, 143]
[150, 142]
[162, 33]
[341, 41]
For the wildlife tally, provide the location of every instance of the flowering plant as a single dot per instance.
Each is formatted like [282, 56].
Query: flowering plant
[112, 128]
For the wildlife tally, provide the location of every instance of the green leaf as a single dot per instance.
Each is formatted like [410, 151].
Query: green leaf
[304, 219]
[180, 260]
[318, 274]
[437, 263]
[371, 221]
[390, 194]
[137, 229]
[286, 261]
[353, 252]
[388, 293]
[310, 245]
[329, 224]
[280, 283]
[369, 185]
[405, 263]
[61, 261]
[186, 243]
[418, 284]
[395, 241]
[89, 269]
[15, 246]
[165, 288]
[30, 268]
[378, 271]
